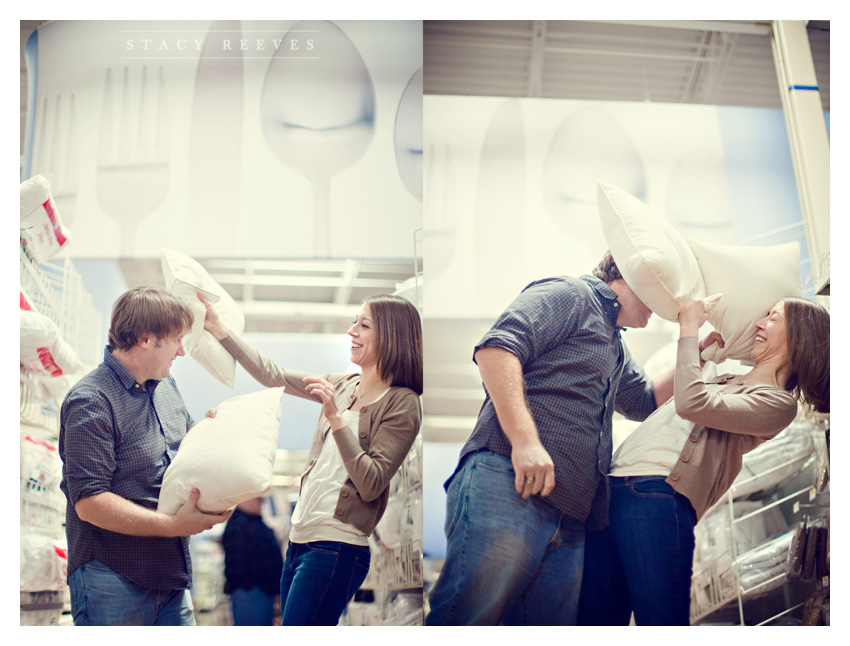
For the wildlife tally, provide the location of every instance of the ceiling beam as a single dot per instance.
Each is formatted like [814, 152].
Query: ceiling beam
[728, 26]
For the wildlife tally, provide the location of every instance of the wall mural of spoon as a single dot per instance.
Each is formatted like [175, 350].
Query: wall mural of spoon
[698, 197]
[408, 136]
[589, 146]
[500, 208]
[215, 144]
[318, 112]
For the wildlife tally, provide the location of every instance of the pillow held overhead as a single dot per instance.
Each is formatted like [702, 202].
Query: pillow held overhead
[751, 281]
[185, 277]
[229, 458]
[654, 259]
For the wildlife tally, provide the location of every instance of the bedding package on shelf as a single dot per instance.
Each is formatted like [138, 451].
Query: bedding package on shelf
[60, 340]
[750, 555]
[394, 583]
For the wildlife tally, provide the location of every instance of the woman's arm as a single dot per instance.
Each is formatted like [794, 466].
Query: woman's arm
[259, 366]
[372, 471]
[761, 411]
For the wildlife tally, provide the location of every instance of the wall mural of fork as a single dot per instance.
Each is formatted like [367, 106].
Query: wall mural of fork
[132, 173]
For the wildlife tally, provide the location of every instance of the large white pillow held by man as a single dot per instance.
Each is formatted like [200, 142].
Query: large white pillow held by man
[750, 280]
[654, 258]
[229, 458]
[185, 277]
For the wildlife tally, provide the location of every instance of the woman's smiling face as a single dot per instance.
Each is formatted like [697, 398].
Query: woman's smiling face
[771, 336]
[363, 343]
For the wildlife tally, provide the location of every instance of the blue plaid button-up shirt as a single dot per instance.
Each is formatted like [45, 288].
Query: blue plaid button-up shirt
[577, 372]
[116, 436]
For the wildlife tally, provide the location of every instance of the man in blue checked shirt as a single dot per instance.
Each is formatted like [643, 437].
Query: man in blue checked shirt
[120, 427]
[532, 478]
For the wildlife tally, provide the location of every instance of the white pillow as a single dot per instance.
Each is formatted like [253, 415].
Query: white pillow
[42, 231]
[229, 458]
[750, 280]
[184, 277]
[654, 259]
[43, 350]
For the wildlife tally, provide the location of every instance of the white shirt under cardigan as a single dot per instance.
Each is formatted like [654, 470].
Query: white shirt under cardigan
[314, 518]
[653, 448]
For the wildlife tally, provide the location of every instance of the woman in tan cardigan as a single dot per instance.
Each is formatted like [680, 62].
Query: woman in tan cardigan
[373, 417]
[685, 456]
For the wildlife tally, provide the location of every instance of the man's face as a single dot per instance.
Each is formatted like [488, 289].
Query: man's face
[633, 312]
[161, 353]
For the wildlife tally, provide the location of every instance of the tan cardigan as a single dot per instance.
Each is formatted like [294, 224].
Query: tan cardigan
[372, 456]
[728, 424]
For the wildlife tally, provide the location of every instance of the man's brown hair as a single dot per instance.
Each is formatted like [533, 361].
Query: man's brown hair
[147, 310]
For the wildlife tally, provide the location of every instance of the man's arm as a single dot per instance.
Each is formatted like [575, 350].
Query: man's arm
[662, 387]
[110, 511]
[501, 372]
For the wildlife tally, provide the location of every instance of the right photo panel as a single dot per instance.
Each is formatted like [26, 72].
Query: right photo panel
[626, 322]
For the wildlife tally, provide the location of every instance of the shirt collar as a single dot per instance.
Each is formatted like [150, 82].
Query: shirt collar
[127, 380]
[606, 296]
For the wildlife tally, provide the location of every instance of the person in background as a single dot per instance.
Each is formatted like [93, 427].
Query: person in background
[120, 427]
[368, 423]
[253, 563]
[683, 459]
[533, 476]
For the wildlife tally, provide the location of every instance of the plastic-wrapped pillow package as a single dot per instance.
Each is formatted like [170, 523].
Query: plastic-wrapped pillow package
[654, 259]
[44, 562]
[229, 458]
[43, 350]
[185, 277]
[41, 465]
[42, 231]
[750, 280]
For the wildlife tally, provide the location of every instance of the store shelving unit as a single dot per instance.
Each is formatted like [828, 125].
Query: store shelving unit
[394, 582]
[741, 562]
[54, 289]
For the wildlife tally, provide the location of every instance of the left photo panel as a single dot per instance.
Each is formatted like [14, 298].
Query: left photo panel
[221, 323]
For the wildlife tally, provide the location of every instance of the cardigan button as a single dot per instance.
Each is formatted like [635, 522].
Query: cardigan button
[684, 458]
[362, 409]
[674, 476]
[339, 512]
[694, 438]
[344, 494]
[362, 433]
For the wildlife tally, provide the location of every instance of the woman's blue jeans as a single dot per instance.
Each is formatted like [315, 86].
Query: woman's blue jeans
[508, 561]
[643, 562]
[102, 597]
[318, 581]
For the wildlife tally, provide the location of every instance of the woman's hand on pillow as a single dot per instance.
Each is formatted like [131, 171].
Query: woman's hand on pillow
[691, 318]
[212, 323]
[710, 339]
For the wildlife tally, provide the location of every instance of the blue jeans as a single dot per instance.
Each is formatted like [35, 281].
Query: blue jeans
[318, 581]
[252, 607]
[643, 561]
[102, 597]
[508, 561]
